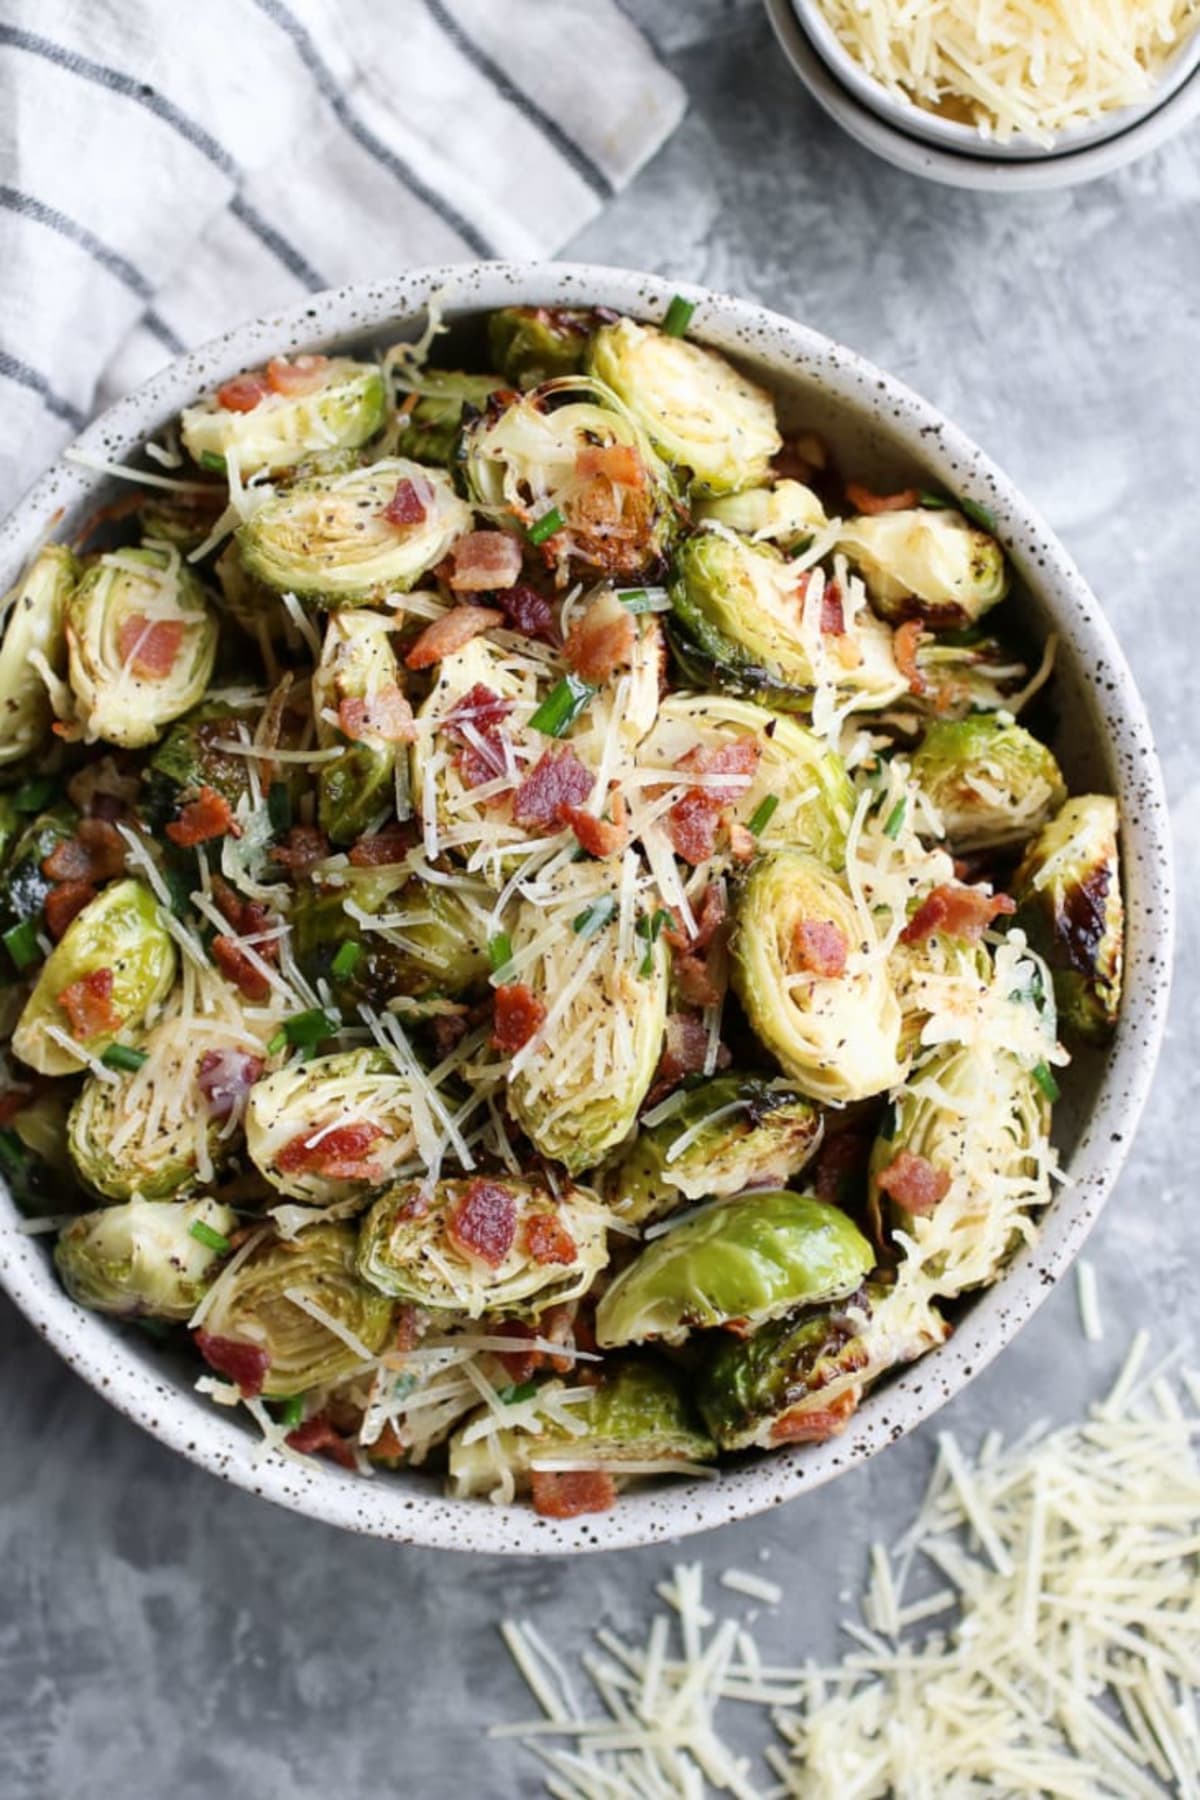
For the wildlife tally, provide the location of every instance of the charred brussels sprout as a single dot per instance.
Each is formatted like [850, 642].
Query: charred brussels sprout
[992, 784]
[142, 642]
[925, 564]
[358, 680]
[701, 413]
[483, 1245]
[293, 410]
[327, 1129]
[786, 513]
[34, 615]
[144, 1259]
[1068, 894]
[533, 344]
[743, 1263]
[815, 989]
[24, 883]
[114, 962]
[434, 419]
[274, 1300]
[190, 757]
[430, 940]
[346, 540]
[727, 1134]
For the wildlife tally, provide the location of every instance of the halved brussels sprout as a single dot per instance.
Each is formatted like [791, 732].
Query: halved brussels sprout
[569, 451]
[787, 513]
[740, 1264]
[24, 883]
[358, 664]
[807, 782]
[189, 757]
[142, 641]
[274, 1299]
[576, 1086]
[277, 421]
[331, 539]
[926, 564]
[1068, 894]
[701, 413]
[727, 1134]
[327, 1129]
[483, 1245]
[936, 975]
[434, 418]
[34, 615]
[256, 608]
[411, 937]
[992, 784]
[966, 672]
[114, 962]
[533, 344]
[183, 520]
[637, 1414]
[145, 1258]
[835, 1033]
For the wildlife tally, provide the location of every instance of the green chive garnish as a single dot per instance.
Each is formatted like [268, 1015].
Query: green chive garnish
[277, 1043]
[31, 796]
[935, 502]
[546, 526]
[1045, 1080]
[649, 926]
[595, 917]
[517, 1391]
[762, 815]
[562, 706]
[210, 460]
[970, 508]
[499, 951]
[346, 960]
[679, 316]
[895, 819]
[279, 807]
[304, 1031]
[21, 944]
[291, 1411]
[124, 1057]
[12, 1152]
[212, 1240]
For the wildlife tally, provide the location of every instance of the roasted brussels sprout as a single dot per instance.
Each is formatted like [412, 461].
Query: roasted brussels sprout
[142, 642]
[576, 1086]
[145, 1258]
[740, 1264]
[787, 513]
[992, 784]
[343, 540]
[358, 682]
[328, 1129]
[701, 413]
[814, 985]
[24, 883]
[114, 962]
[275, 1300]
[926, 564]
[189, 757]
[291, 411]
[34, 616]
[435, 415]
[483, 1245]
[257, 609]
[410, 937]
[533, 344]
[1069, 903]
[727, 1134]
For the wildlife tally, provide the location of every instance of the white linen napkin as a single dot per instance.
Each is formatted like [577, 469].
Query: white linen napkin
[167, 170]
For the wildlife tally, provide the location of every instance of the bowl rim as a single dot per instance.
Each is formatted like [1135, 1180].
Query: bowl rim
[131, 1376]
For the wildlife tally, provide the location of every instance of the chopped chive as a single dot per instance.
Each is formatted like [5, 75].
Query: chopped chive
[649, 926]
[31, 796]
[291, 1411]
[562, 706]
[212, 1240]
[279, 806]
[124, 1057]
[210, 460]
[346, 960]
[595, 917]
[1045, 1080]
[935, 502]
[679, 316]
[22, 945]
[546, 526]
[499, 951]
[305, 1030]
[762, 815]
[516, 1392]
[970, 508]
[644, 600]
[895, 819]
[12, 1152]
[277, 1043]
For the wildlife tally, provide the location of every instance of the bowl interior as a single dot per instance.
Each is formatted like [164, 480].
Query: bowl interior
[885, 434]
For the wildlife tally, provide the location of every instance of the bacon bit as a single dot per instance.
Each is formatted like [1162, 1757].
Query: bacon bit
[692, 821]
[555, 782]
[485, 712]
[906, 640]
[711, 915]
[597, 836]
[743, 845]
[13, 1100]
[209, 815]
[236, 966]
[303, 848]
[914, 1183]
[484, 560]
[318, 1436]
[88, 1005]
[243, 393]
[558, 1325]
[819, 947]
[961, 912]
[149, 647]
[568, 1493]
[406, 507]
[301, 375]
[449, 633]
[529, 611]
[387, 715]
[65, 901]
[95, 853]
[812, 1425]
[383, 848]
[833, 616]
[685, 1049]
[863, 500]
[412, 1322]
[692, 826]
[697, 983]
[519, 1016]
[248, 918]
[602, 640]
[388, 1447]
[615, 462]
[245, 1364]
[548, 1240]
[483, 1222]
[339, 1155]
[225, 1078]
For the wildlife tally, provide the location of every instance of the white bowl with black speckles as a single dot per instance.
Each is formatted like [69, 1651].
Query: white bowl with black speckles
[887, 435]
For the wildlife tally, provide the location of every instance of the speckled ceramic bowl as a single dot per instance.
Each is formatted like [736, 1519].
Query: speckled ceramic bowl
[888, 436]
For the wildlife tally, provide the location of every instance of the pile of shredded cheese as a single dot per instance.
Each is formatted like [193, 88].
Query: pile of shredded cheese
[1033, 68]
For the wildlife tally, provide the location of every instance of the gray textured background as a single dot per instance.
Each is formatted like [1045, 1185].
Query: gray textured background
[161, 1634]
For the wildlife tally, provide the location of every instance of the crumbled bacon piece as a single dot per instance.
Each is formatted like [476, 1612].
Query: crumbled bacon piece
[412, 1322]
[557, 780]
[450, 633]
[149, 647]
[568, 1493]
[906, 640]
[339, 1155]
[833, 616]
[548, 1240]
[248, 918]
[692, 826]
[237, 967]
[528, 611]
[209, 815]
[243, 393]
[954, 911]
[602, 640]
[812, 1425]
[303, 849]
[483, 561]
[692, 821]
[614, 462]
[318, 1435]
[389, 1447]
[558, 1325]
[245, 1364]
[302, 374]
[225, 1078]
[483, 1221]
[819, 947]
[95, 853]
[743, 845]
[684, 1052]
[519, 1015]
[65, 901]
[863, 500]
[406, 506]
[599, 837]
[484, 712]
[711, 916]
[913, 1182]
[88, 1004]
[386, 714]
[391, 845]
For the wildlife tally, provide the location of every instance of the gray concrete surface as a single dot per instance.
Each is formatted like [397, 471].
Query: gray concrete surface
[162, 1635]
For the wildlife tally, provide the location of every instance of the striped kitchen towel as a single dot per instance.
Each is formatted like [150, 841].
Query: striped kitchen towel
[167, 170]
